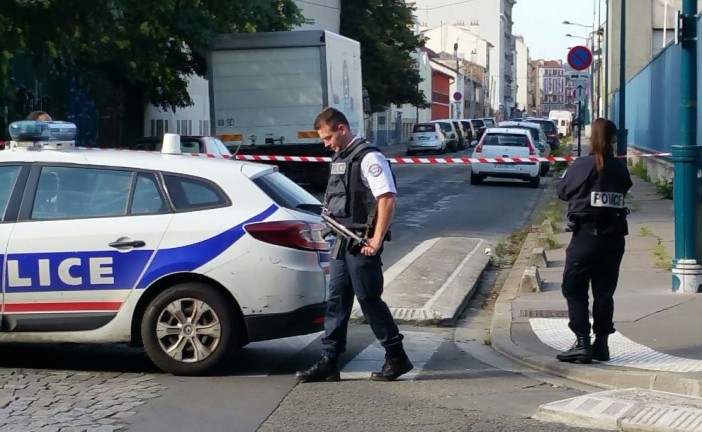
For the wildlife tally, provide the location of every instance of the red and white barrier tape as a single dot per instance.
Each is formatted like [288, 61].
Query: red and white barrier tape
[395, 160]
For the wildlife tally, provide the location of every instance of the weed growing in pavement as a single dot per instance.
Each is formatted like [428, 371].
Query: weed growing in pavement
[553, 242]
[664, 187]
[639, 169]
[663, 260]
[487, 340]
[558, 167]
[645, 231]
[506, 252]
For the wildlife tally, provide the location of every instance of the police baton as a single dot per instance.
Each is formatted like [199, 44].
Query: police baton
[342, 230]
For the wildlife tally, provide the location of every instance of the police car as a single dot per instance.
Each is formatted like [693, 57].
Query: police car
[190, 257]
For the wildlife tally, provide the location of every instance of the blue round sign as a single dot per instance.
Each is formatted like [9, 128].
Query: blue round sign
[579, 58]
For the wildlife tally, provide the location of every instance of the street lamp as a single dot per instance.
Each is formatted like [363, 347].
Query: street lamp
[574, 36]
[576, 24]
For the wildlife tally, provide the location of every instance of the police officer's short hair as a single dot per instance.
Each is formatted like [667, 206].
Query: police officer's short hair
[34, 115]
[331, 117]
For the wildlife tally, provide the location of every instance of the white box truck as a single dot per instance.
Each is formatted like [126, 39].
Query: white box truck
[266, 89]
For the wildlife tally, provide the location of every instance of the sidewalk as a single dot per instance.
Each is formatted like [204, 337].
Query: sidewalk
[658, 342]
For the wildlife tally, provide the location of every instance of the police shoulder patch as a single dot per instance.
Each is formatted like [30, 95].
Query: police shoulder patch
[375, 170]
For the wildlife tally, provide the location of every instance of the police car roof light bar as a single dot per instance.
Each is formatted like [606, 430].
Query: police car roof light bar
[171, 144]
[37, 135]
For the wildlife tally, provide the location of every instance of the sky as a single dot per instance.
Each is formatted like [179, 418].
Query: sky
[541, 24]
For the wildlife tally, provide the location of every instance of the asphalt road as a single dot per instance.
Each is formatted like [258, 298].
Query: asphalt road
[457, 384]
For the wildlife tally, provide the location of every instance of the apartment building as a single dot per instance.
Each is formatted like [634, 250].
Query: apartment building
[553, 85]
[490, 20]
[522, 75]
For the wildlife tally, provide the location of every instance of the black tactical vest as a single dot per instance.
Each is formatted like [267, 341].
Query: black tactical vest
[348, 200]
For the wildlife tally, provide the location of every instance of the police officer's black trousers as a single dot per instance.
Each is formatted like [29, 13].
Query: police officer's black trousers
[592, 260]
[354, 273]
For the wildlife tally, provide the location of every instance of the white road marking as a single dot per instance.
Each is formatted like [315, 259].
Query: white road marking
[624, 352]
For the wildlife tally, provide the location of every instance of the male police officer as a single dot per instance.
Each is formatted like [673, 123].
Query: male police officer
[361, 196]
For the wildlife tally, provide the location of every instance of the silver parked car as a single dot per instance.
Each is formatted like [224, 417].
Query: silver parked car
[427, 137]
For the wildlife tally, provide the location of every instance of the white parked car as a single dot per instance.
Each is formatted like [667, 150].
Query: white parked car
[538, 137]
[427, 137]
[506, 143]
[190, 257]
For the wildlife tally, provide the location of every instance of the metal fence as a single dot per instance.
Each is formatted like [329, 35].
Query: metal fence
[653, 101]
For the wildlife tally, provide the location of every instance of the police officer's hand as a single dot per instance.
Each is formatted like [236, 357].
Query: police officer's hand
[373, 246]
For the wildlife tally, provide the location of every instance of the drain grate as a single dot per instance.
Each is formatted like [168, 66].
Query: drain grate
[543, 313]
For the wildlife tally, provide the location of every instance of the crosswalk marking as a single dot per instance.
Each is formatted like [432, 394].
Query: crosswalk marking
[419, 346]
[624, 352]
[260, 359]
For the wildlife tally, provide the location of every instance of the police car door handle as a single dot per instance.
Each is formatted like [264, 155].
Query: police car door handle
[124, 242]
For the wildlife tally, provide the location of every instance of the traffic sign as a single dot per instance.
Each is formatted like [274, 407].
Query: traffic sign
[580, 82]
[457, 96]
[580, 93]
[579, 58]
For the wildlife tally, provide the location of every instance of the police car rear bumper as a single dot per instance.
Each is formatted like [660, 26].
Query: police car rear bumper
[306, 320]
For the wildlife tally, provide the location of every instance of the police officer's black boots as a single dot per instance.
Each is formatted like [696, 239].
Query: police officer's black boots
[580, 351]
[396, 364]
[600, 349]
[326, 369]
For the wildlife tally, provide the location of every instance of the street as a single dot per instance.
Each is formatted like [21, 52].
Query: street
[453, 386]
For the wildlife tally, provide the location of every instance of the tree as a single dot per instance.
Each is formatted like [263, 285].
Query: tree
[384, 30]
[150, 45]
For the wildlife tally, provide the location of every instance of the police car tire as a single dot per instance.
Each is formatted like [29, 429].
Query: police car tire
[219, 303]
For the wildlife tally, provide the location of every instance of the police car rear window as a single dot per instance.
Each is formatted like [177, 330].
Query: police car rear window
[193, 194]
[285, 192]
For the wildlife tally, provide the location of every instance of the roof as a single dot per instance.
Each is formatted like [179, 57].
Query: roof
[552, 64]
[183, 163]
[520, 124]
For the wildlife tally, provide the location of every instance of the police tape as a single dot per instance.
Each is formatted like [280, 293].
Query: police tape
[395, 160]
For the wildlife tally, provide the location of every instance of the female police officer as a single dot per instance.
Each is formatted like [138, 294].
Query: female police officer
[594, 186]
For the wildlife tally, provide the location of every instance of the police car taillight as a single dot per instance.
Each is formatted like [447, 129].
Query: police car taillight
[292, 234]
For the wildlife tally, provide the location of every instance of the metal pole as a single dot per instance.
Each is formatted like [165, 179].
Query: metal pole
[606, 61]
[687, 272]
[599, 62]
[621, 140]
[580, 124]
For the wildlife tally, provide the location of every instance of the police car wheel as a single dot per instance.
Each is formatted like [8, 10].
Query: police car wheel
[189, 329]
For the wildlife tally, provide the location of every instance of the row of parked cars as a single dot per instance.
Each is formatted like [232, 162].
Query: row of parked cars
[440, 136]
[518, 138]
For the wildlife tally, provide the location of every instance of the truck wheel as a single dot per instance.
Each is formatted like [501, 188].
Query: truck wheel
[190, 329]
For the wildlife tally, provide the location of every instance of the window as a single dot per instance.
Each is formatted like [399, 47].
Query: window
[508, 140]
[188, 146]
[220, 146]
[286, 193]
[8, 178]
[147, 197]
[68, 192]
[188, 193]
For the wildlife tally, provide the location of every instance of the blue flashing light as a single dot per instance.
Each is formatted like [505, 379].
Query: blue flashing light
[33, 130]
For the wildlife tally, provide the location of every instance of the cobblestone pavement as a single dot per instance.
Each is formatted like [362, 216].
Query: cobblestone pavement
[72, 388]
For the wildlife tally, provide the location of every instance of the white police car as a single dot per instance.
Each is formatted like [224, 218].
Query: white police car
[191, 257]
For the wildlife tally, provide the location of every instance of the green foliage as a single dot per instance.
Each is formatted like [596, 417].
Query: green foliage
[149, 45]
[664, 187]
[384, 29]
[639, 169]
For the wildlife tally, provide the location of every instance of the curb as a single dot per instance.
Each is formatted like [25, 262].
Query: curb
[444, 307]
[596, 375]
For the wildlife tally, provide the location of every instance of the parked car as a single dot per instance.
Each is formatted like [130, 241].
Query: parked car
[506, 143]
[479, 127]
[470, 131]
[452, 135]
[538, 137]
[489, 122]
[427, 137]
[550, 130]
[190, 257]
[188, 144]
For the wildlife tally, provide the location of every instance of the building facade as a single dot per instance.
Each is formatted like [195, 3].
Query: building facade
[534, 89]
[522, 76]
[553, 86]
[490, 20]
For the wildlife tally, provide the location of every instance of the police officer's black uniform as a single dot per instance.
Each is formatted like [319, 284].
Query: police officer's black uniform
[349, 201]
[597, 218]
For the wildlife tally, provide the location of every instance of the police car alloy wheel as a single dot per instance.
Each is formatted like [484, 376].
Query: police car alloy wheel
[190, 329]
